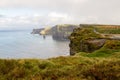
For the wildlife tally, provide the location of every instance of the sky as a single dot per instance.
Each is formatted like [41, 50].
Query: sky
[28, 14]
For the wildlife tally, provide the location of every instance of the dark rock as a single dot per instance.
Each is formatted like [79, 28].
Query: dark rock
[92, 45]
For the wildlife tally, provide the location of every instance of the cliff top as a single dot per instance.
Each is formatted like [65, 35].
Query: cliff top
[66, 25]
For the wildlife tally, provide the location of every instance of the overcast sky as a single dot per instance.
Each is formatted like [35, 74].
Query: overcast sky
[16, 14]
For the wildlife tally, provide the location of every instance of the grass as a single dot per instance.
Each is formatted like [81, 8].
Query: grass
[108, 30]
[101, 53]
[111, 48]
[82, 66]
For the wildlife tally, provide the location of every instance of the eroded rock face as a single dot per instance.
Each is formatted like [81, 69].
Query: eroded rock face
[87, 46]
[93, 44]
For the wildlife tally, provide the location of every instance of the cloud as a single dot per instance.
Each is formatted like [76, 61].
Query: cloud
[1, 16]
[35, 20]
[60, 15]
[38, 3]
[51, 12]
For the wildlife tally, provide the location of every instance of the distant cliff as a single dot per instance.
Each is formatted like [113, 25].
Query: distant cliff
[58, 32]
[62, 32]
[37, 31]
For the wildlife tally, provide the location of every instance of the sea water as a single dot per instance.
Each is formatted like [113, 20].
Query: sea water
[22, 44]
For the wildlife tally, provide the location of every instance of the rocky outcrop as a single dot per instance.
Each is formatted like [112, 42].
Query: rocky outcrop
[85, 39]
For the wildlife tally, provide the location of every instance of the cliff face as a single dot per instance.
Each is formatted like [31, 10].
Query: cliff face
[83, 39]
[58, 32]
[46, 31]
[41, 30]
[87, 40]
[37, 31]
[62, 32]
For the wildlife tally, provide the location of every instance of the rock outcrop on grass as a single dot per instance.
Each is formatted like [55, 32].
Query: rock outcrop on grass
[87, 40]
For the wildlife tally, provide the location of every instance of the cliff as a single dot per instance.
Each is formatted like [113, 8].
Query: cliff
[62, 32]
[58, 32]
[86, 39]
[37, 31]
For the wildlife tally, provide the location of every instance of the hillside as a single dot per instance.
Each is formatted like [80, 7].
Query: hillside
[87, 39]
[78, 67]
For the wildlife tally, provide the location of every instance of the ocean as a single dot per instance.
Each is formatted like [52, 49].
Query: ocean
[21, 44]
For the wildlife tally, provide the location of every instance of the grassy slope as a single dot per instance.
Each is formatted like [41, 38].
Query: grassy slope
[79, 67]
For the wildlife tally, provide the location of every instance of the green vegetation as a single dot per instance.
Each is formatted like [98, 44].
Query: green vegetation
[78, 67]
[79, 40]
[102, 64]
[109, 49]
[105, 29]
[108, 30]
[86, 39]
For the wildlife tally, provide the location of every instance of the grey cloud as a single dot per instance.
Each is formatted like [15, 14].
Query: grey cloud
[99, 11]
